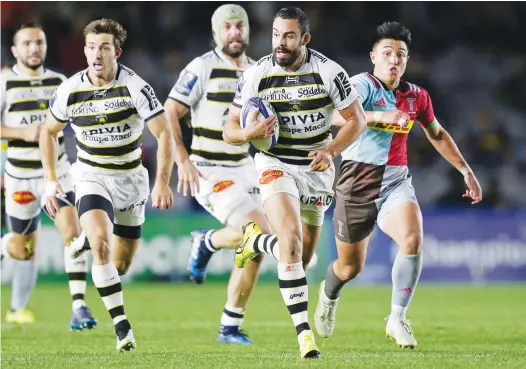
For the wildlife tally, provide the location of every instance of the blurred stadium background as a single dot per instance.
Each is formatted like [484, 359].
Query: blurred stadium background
[470, 56]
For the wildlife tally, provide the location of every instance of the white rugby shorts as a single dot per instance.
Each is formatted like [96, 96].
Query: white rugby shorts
[128, 192]
[228, 193]
[24, 198]
[312, 189]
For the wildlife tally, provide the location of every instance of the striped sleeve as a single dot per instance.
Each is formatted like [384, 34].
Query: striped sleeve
[58, 105]
[144, 99]
[339, 86]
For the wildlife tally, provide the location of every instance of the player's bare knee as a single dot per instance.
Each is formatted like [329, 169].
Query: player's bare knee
[411, 244]
[22, 247]
[346, 272]
[100, 247]
[290, 242]
[69, 235]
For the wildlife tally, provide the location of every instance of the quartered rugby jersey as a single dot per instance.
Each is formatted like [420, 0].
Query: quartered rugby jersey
[381, 151]
[207, 87]
[304, 100]
[25, 101]
[108, 121]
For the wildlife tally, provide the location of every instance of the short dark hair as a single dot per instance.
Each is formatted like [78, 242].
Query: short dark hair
[109, 26]
[297, 14]
[24, 26]
[392, 31]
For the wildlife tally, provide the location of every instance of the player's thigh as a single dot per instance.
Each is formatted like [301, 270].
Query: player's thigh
[283, 213]
[66, 220]
[95, 210]
[279, 195]
[23, 215]
[400, 218]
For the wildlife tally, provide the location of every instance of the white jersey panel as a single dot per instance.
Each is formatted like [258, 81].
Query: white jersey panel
[207, 87]
[25, 101]
[108, 121]
[304, 101]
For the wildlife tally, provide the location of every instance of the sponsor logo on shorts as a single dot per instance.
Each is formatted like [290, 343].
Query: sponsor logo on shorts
[223, 185]
[324, 200]
[270, 175]
[135, 206]
[391, 127]
[23, 197]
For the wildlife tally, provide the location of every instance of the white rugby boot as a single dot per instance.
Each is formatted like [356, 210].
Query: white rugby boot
[399, 329]
[325, 315]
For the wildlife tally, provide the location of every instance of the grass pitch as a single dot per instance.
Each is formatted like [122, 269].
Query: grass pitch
[175, 327]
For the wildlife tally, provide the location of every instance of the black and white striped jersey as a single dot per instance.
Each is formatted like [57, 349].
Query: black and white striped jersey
[108, 121]
[207, 87]
[25, 101]
[304, 101]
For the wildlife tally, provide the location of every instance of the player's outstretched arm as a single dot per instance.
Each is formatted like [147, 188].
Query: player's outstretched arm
[446, 146]
[389, 117]
[187, 173]
[48, 144]
[162, 196]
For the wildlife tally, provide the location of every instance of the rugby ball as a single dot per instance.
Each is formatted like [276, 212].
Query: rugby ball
[265, 111]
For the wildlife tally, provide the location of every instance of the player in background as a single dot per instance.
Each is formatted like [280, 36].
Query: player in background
[375, 184]
[222, 177]
[26, 90]
[108, 105]
[295, 176]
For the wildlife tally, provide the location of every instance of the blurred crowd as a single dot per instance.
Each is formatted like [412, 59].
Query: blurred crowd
[473, 66]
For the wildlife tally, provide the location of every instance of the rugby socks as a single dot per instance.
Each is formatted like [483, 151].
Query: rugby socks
[231, 319]
[333, 284]
[208, 242]
[268, 244]
[25, 273]
[108, 283]
[76, 270]
[405, 275]
[293, 287]
[206, 249]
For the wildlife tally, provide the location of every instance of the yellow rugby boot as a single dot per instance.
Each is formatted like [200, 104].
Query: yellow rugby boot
[21, 316]
[245, 251]
[308, 348]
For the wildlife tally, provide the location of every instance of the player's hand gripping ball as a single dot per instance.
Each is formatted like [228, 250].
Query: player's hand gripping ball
[264, 130]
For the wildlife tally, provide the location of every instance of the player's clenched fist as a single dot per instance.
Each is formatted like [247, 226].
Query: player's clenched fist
[393, 117]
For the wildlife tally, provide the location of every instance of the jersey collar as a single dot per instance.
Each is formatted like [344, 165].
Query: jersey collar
[84, 77]
[402, 86]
